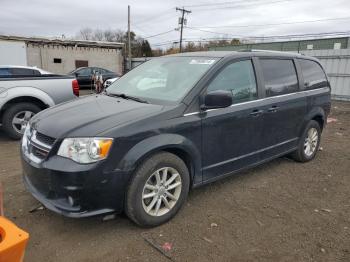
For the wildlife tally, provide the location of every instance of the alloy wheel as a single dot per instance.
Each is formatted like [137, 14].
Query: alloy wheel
[310, 142]
[161, 191]
[20, 120]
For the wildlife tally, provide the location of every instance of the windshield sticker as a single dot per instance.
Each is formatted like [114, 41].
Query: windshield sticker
[201, 62]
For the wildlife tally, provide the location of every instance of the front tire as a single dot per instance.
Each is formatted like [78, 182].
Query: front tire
[309, 143]
[157, 190]
[16, 118]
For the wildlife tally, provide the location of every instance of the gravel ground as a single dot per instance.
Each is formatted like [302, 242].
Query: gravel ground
[280, 211]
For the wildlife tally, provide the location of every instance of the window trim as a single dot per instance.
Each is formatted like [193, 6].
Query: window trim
[278, 58]
[301, 93]
[302, 80]
[222, 68]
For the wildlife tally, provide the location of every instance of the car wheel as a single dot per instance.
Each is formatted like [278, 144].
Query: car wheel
[157, 190]
[309, 143]
[16, 118]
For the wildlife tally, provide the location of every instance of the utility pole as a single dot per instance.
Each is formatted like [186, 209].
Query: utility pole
[129, 39]
[181, 22]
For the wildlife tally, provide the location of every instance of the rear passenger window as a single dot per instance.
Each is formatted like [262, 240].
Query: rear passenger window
[239, 78]
[22, 72]
[314, 76]
[280, 76]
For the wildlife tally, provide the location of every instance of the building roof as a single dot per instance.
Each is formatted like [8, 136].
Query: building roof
[65, 42]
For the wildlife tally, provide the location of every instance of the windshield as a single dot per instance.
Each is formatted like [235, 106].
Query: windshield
[165, 78]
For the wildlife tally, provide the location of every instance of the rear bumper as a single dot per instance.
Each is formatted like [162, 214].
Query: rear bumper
[72, 192]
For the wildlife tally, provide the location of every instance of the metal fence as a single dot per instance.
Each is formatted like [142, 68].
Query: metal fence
[337, 65]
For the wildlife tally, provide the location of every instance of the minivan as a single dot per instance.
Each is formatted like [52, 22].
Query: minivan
[172, 124]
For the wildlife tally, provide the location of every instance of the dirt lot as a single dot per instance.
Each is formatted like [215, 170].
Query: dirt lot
[281, 211]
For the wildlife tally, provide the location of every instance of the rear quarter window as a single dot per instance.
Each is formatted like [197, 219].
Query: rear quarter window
[313, 74]
[280, 76]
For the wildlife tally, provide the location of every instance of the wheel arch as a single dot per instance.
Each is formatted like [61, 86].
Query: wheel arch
[320, 120]
[317, 114]
[23, 99]
[172, 143]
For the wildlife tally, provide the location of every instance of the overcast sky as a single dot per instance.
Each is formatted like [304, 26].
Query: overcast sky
[246, 18]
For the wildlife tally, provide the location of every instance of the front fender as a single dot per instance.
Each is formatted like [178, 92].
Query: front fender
[153, 144]
[28, 91]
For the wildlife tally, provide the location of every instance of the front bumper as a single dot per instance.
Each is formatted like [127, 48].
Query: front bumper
[75, 190]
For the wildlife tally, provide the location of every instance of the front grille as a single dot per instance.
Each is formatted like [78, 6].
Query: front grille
[45, 139]
[38, 152]
[38, 146]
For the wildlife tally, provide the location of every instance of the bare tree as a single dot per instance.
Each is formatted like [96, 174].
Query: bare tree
[98, 35]
[113, 35]
[85, 34]
[108, 35]
[139, 46]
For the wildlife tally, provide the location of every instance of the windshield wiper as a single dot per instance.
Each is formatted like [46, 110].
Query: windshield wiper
[122, 95]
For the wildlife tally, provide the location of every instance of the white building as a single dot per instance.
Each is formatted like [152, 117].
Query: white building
[60, 56]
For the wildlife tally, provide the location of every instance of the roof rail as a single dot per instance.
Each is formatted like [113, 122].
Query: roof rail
[267, 51]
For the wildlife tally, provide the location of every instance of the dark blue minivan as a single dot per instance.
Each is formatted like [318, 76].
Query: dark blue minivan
[174, 123]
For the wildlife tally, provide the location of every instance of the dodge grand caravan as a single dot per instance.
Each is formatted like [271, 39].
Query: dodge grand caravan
[172, 124]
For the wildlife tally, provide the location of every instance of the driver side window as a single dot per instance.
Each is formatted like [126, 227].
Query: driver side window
[239, 78]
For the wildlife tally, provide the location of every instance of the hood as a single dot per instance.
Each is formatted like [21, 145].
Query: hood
[90, 115]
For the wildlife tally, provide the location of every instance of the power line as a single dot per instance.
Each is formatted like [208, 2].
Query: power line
[287, 36]
[210, 8]
[277, 24]
[154, 17]
[166, 12]
[164, 43]
[223, 33]
[212, 32]
[222, 3]
[163, 33]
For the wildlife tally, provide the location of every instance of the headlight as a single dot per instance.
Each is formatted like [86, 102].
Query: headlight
[85, 150]
[26, 134]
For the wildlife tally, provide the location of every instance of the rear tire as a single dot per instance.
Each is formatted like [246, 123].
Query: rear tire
[152, 199]
[16, 117]
[309, 143]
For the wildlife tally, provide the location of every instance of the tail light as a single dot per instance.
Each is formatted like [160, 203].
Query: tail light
[75, 87]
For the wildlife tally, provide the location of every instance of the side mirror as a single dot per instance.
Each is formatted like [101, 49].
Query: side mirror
[217, 99]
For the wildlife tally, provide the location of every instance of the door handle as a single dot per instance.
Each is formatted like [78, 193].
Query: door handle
[272, 109]
[256, 112]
